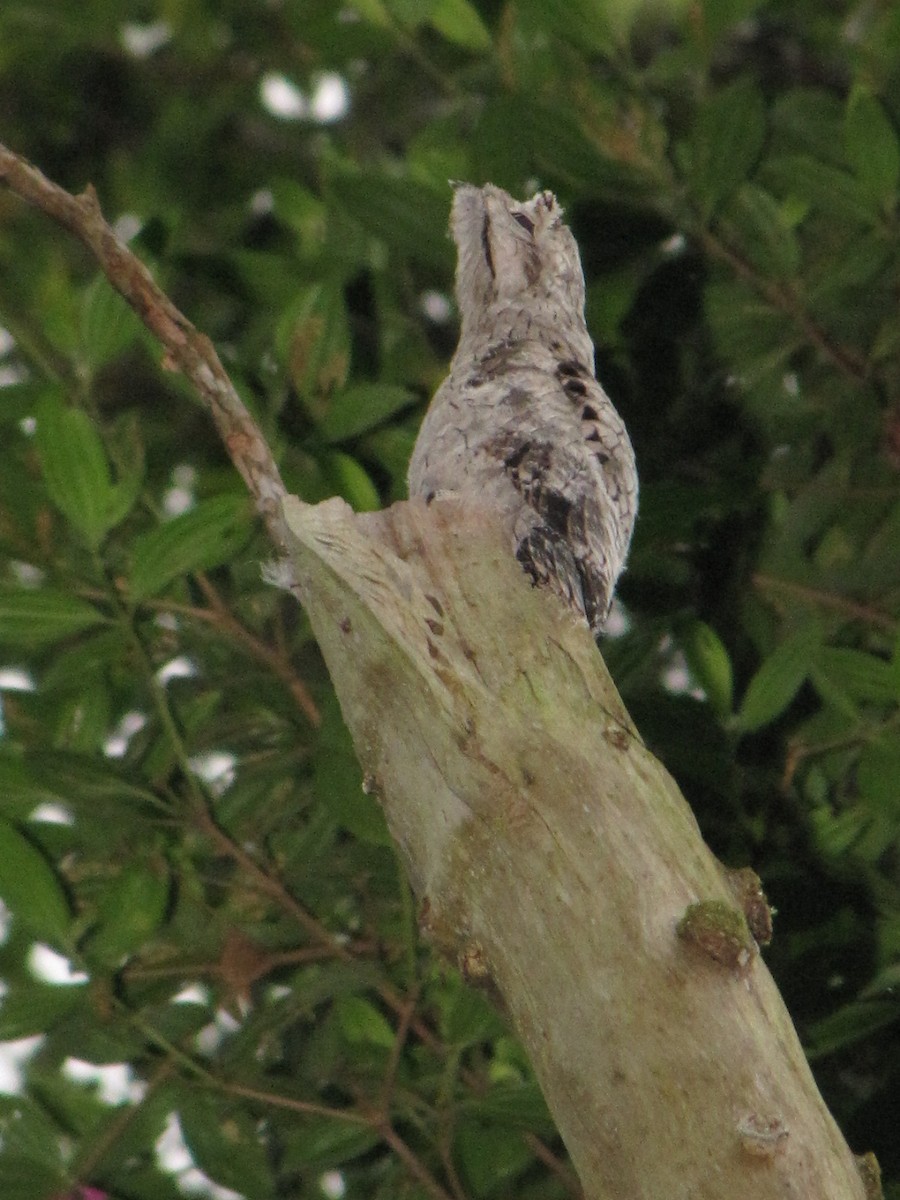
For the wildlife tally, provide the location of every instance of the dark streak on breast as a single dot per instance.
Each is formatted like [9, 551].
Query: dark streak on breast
[486, 245]
[574, 388]
[571, 369]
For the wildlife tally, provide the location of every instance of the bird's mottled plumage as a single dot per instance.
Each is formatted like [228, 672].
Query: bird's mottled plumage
[521, 422]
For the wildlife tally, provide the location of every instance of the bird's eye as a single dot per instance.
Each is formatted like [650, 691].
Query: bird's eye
[524, 221]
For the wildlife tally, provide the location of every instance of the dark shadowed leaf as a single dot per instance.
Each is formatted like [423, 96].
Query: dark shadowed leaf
[849, 1025]
[327, 1142]
[764, 232]
[359, 409]
[727, 140]
[872, 149]
[822, 186]
[878, 777]
[778, 680]
[490, 1155]
[409, 217]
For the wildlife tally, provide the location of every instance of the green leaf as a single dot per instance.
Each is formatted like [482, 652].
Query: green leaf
[870, 142]
[822, 186]
[779, 678]
[808, 120]
[716, 19]
[849, 1025]
[360, 408]
[33, 1007]
[35, 617]
[409, 217]
[85, 781]
[29, 1179]
[565, 148]
[325, 1143]
[764, 232]
[470, 1018]
[459, 22]
[83, 717]
[224, 1143]
[490, 1155]
[313, 339]
[19, 793]
[597, 26]
[360, 1021]
[77, 472]
[338, 780]
[514, 1105]
[30, 889]
[303, 211]
[862, 676]
[836, 834]
[131, 911]
[878, 777]
[726, 142]
[710, 665]
[756, 340]
[108, 325]
[351, 481]
[28, 1129]
[208, 535]
[374, 11]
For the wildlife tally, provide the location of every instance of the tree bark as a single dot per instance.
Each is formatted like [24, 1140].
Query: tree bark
[557, 863]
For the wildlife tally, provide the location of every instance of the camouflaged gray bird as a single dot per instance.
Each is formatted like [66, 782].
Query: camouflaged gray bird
[521, 422]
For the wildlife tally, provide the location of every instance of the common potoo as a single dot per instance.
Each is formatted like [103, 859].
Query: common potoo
[521, 422]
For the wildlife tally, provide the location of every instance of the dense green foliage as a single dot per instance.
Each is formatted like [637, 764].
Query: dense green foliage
[244, 940]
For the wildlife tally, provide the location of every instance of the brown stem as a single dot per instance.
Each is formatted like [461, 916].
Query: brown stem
[301, 1106]
[413, 1163]
[410, 1160]
[402, 1005]
[406, 1016]
[276, 663]
[280, 958]
[268, 884]
[850, 608]
[783, 297]
[219, 616]
[552, 1162]
[186, 348]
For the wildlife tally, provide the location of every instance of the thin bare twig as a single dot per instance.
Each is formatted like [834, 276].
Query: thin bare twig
[276, 662]
[814, 596]
[782, 296]
[554, 1163]
[268, 884]
[412, 1162]
[300, 1106]
[387, 1086]
[186, 348]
